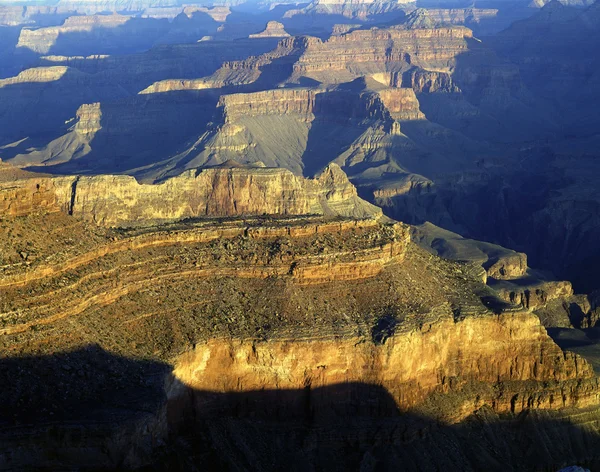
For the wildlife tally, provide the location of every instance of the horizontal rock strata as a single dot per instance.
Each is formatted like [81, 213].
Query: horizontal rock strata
[199, 325]
[113, 200]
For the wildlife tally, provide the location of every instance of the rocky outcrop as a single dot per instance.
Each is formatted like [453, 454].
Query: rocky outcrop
[90, 7]
[30, 196]
[228, 191]
[171, 85]
[362, 52]
[344, 57]
[534, 294]
[356, 9]
[499, 263]
[94, 34]
[88, 118]
[444, 356]
[402, 103]
[274, 29]
[311, 104]
[36, 75]
[461, 16]
[425, 81]
[217, 13]
[42, 40]
[30, 14]
[318, 333]
[510, 266]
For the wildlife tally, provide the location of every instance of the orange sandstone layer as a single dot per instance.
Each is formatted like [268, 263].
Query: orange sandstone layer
[442, 356]
[113, 200]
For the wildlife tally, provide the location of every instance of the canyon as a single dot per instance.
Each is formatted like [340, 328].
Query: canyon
[337, 235]
[229, 361]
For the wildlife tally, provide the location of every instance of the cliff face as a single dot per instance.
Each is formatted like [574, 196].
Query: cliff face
[94, 34]
[274, 29]
[301, 333]
[443, 357]
[30, 14]
[36, 75]
[360, 10]
[42, 40]
[112, 200]
[402, 103]
[347, 56]
[387, 50]
[217, 13]
[311, 104]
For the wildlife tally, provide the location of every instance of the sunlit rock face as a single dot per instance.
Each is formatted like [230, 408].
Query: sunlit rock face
[228, 191]
[274, 29]
[337, 330]
[410, 365]
[199, 284]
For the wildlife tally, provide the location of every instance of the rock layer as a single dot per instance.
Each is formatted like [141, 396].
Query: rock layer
[329, 330]
[233, 191]
[274, 29]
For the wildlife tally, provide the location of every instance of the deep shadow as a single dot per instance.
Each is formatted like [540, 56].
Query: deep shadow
[38, 110]
[41, 111]
[77, 386]
[80, 409]
[134, 35]
[140, 131]
[338, 122]
[91, 410]
[11, 60]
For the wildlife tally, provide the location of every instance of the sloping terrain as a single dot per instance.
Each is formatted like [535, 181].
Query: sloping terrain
[176, 345]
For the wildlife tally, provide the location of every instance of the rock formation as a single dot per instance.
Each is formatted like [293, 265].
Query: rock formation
[274, 29]
[183, 290]
[231, 190]
[339, 329]
[99, 33]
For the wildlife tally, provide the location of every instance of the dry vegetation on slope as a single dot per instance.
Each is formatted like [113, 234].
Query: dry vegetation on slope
[262, 304]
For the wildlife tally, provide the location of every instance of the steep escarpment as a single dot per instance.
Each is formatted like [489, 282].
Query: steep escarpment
[358, 10]
[304, 102]
[173, 345]
[274, 29]
[367, 51]
[28, 102]
[94, 34]
[229, 191]
[347, 56]
[30, 14]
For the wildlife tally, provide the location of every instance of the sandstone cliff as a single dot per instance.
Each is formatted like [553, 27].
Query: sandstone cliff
[274, 29]
[444, 356]
[229, 191]
[42, 40]
[344, 57]
[366, 51]
[359, 10]
[258, 331]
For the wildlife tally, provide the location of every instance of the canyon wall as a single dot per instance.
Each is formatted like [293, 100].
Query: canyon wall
[301, 333]
[112, 200]
[42, 40]
[94, 34]
[312, 104]
[274, 29]
[443, 357]
[381, 50]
